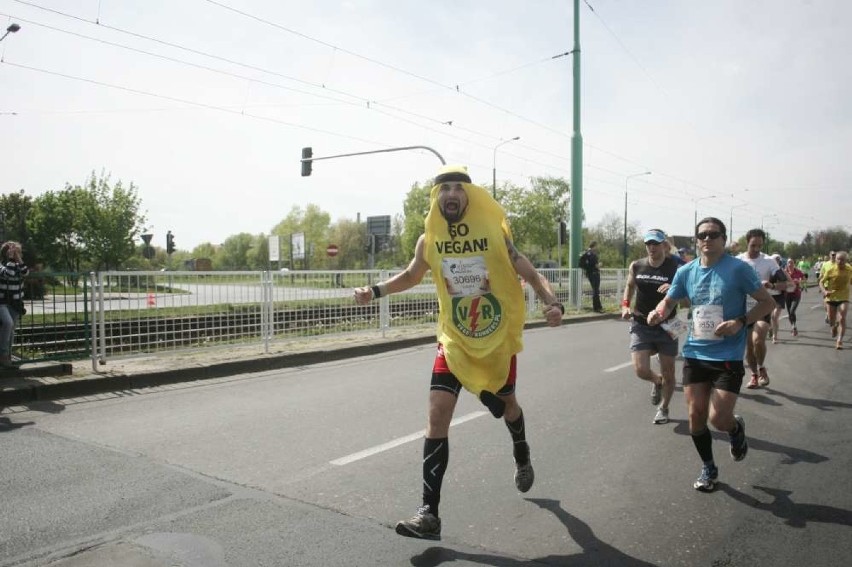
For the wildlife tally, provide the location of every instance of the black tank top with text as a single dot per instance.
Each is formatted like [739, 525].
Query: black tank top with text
[648, 279]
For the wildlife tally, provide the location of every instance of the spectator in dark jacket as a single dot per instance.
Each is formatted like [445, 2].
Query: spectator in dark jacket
[589, 263]
[12, 272]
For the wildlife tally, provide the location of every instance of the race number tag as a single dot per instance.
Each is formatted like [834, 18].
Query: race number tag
[705, 319]
[465, 277]
[675, 327]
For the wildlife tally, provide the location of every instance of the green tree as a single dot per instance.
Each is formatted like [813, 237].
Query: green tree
[235, 252]
[415, 207]
[89, 227]
[535, 213]
[830, 239]
[14, 210]
[205, 250]
[350, 237]
[54, 225]
[609, 234]
[111, 220]
[314, 223]
[258, 255]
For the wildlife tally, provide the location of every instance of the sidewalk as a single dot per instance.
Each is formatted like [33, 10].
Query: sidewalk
[52, 381]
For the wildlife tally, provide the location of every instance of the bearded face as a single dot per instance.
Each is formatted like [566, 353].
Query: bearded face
[452, 201]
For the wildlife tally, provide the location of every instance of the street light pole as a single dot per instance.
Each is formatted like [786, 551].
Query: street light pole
[766, 217]
[494, 166]
[11, 29]
[731, 221]
[626, 179]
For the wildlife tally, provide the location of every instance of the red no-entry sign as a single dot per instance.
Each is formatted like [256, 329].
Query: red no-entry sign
[332, 250]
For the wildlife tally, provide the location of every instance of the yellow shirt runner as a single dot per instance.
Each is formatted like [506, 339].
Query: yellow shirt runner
[836, 282]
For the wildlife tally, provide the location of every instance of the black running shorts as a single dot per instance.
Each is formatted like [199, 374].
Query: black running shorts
[724, 375]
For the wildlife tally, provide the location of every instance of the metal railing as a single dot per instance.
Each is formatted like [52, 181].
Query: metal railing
[109, 315]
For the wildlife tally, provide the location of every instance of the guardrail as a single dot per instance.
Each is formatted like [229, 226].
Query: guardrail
[109, 315]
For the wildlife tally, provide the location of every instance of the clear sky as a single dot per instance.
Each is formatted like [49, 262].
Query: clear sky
[737, 108]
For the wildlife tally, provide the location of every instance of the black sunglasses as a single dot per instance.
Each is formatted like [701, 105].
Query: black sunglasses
[711, 235]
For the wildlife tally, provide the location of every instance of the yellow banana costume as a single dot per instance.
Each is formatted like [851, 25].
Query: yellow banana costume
[480, 297]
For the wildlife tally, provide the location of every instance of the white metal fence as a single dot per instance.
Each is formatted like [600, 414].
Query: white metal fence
[137, 313]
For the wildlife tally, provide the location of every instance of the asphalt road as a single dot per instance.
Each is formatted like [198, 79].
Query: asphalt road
[314, 465]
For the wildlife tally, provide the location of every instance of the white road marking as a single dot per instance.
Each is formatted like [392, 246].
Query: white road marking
[399, 441]
[619, 367]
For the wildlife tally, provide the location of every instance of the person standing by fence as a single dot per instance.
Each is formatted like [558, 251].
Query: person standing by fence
[589, 263]
[12, 272]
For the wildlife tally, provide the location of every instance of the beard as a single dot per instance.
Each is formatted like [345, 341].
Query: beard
[452, 212]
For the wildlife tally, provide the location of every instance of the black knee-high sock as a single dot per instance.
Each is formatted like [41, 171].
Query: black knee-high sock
[704, 444]
[436, 454]
[518, 432]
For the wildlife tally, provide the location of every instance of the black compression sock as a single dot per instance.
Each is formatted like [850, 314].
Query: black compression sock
[704, 444]
[517, 430]
[436, 455]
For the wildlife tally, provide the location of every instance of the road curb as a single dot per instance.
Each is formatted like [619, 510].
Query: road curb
[26, 392]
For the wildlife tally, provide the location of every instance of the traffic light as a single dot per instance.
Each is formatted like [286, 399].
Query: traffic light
[307, 162]
[170, 242]
[563, 232]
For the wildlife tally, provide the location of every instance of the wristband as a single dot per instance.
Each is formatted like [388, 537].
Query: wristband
[377, 292]
[625, 303]
[559, 305]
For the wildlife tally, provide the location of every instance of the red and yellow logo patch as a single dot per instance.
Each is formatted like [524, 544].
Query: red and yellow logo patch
[477, 316]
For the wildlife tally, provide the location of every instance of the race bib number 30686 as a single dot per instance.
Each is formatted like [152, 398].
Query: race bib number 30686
[465, 277]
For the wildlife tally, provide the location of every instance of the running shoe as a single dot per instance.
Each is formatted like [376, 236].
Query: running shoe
[752, 384]
[524, 476]
[795, 332]
[423, 525]
[656, 394]
[763, 380]
[739, 444]
[662, 416]
[706, 481]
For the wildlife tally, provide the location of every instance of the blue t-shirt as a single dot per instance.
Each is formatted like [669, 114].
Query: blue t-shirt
[727, 283]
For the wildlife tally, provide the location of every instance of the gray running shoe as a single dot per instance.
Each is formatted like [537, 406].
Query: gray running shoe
[662, 416]
[524, 476]
[739, 444]
[706, 481]
[423, 525]
[656, 394]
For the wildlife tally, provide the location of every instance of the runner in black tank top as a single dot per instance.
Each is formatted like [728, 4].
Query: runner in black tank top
[651, 278]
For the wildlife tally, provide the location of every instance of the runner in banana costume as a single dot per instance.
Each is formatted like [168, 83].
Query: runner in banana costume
[467, 244]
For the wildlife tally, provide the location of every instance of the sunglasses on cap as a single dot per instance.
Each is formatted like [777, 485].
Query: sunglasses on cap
[708, 235]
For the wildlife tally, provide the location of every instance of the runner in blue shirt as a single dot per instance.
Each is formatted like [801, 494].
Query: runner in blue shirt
[716, 286]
